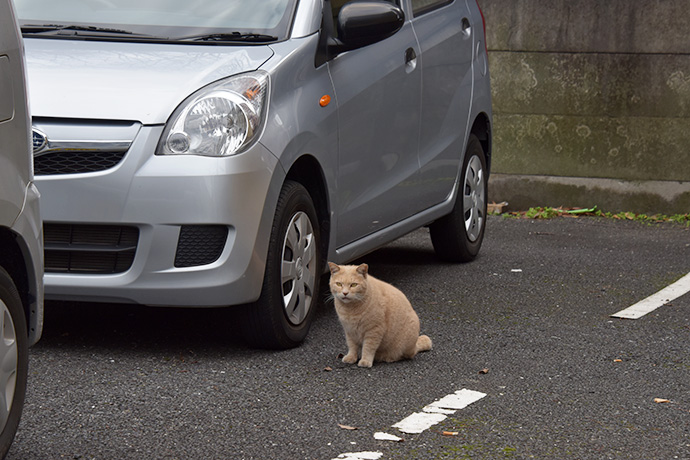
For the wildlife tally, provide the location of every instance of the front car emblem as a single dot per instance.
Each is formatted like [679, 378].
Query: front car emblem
[40, 141]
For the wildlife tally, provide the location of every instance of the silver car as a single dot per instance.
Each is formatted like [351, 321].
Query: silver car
[21, 239]
[218, 152]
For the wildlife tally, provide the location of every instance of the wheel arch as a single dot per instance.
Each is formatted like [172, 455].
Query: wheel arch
[13, 261]
[307, 171]
[482, 129]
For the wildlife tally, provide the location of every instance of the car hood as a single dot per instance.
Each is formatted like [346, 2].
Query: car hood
[126, 81]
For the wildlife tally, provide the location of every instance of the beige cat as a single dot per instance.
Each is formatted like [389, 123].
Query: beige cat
[377, 317]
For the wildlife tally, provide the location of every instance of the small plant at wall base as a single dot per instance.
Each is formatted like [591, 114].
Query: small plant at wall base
[549, 213]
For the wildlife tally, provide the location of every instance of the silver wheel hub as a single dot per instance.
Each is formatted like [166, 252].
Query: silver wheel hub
[298, 269]
[474, 198]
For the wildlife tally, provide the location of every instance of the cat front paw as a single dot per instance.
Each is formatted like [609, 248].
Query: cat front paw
[350, 358]
[365, 363]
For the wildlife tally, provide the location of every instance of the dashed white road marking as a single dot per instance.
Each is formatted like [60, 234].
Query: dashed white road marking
[360, 456]
[458, 400]
[419, 422]
[437, 411]
[654, 301]
[380, 436]
[434, 413]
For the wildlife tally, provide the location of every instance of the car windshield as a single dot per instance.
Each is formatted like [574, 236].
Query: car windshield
[191, 20]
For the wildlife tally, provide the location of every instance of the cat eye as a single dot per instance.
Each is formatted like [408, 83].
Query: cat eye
[339, 284]
[354, 285]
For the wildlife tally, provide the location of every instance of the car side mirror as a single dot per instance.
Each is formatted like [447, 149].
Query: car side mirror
[364, 22]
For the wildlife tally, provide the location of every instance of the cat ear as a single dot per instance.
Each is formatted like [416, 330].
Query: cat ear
[363, 269]
[334, 268]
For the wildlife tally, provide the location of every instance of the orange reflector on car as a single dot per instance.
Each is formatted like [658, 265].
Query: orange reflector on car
[325, 100]
[252, 92]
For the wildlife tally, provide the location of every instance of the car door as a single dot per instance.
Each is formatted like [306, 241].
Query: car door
[377, 89]
[446, 34]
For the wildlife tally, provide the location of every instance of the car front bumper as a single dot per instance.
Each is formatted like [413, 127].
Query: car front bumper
[167, 202]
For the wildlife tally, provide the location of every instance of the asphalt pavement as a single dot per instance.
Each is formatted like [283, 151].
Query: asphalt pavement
[527, 324]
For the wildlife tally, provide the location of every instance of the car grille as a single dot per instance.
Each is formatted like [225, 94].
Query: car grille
[200, 244]
[89, 249]
[66, 162]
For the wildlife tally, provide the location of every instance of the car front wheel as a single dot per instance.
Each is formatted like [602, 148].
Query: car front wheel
[458, 236]
[14, 357]
[283, 314]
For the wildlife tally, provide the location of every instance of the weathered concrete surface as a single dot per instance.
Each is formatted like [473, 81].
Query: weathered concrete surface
[613, 85]
[634, 149]
[588, 26]
[590, 89]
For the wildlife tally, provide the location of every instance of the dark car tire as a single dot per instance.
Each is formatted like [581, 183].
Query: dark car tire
[282, 316]
[458, 236]
[14, 360]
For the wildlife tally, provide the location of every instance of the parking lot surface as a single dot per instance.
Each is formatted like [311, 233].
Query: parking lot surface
[528, 325]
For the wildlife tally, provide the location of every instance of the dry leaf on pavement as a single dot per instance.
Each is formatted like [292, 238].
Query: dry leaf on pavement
[347, 427]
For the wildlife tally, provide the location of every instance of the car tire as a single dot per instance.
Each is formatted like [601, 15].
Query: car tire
[14, 359]
[458, 236]
[282, 316]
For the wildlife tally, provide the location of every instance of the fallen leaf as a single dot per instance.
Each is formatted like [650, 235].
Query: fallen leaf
[484, 371]
[450, 433]
[661, 400]
[328, 369]
[347, 427]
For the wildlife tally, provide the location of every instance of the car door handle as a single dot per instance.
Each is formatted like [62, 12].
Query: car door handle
[410, 60]
[466, 27]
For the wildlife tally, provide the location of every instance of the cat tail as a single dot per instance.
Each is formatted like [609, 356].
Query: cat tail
[423, 343]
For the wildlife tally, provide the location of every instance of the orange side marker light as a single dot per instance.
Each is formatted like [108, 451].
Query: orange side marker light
[325, 100]
[252, 92]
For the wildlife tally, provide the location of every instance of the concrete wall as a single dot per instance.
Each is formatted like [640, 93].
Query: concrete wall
[591, 103]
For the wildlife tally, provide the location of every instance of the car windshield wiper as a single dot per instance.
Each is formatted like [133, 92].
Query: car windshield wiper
[231, 37]
[72, 29]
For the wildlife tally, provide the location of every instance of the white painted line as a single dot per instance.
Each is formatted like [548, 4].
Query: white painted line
[458, 400]
[434, 413]
[381, 436]
[651, 303]
[437, 410]
[419, 422]
[360, 456]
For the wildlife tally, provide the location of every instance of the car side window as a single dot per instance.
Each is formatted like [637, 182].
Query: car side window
[420, 7]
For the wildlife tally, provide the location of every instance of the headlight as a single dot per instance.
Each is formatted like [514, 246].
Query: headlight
[219, 120]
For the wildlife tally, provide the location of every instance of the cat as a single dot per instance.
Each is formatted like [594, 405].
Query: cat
[377, 318]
